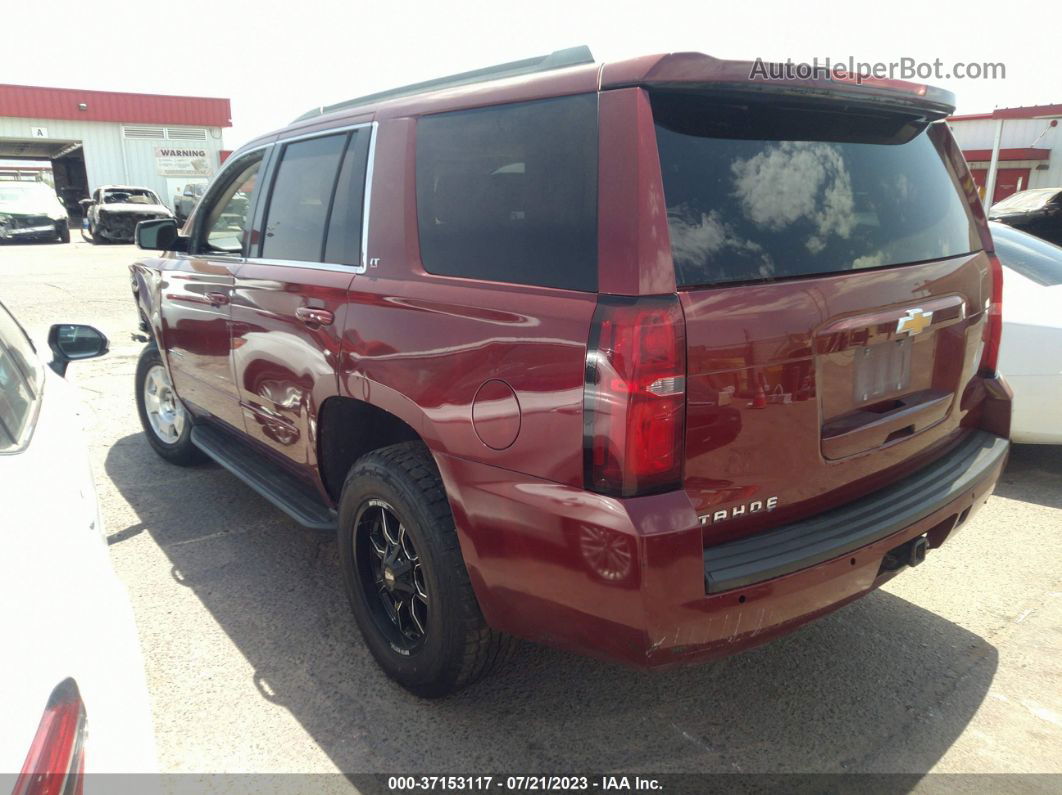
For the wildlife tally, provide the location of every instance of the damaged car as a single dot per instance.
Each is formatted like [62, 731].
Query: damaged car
[1037, 212]
[31, 211]
[113, 212]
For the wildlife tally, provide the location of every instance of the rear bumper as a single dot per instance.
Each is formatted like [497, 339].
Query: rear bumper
[630, 580]
[858, 524]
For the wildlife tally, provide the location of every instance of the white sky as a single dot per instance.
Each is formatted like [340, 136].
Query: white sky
[275, 60]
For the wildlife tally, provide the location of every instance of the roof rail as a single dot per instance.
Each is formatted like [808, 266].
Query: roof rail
[572, 56]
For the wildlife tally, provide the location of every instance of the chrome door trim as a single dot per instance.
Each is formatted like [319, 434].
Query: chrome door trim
[367, 201]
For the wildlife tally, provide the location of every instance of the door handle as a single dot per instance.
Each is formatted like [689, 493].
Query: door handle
[311, 315]
[218, 299]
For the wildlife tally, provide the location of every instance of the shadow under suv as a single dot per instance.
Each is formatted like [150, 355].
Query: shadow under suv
[649, 360]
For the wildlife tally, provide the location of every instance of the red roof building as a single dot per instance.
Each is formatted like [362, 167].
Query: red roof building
[93, 138]
[1029, 136]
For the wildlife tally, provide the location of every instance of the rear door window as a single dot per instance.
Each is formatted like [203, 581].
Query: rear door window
[760, 193]
[509, 193]
[343, 245]
[300, 201]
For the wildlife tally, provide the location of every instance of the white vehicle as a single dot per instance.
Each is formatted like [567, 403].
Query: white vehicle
[32, 211]
[1031, 352]
[72, 679]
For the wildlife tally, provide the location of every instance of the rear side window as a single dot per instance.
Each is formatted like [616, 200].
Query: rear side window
[761, 193]
[509, 193]
[299, 204]
[1030, 256]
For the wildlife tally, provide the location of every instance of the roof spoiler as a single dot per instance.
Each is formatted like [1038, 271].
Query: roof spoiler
[698, 72]
[559, 59]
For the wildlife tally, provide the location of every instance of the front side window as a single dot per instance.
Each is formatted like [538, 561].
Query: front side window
[227, 219]
[300, 202]
[509, 193]
[21, 381]
[761, 193]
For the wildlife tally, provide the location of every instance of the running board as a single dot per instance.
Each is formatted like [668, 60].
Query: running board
[284, 490]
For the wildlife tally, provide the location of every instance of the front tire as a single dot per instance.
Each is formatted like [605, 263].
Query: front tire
[62, 231]
[405, 577]
[167, 423]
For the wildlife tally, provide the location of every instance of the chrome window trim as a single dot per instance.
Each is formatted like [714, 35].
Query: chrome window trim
[297, 263]
[367, 201]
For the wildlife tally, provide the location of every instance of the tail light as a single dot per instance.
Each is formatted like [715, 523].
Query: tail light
[634, 396]
[55, 764]
[993, 331]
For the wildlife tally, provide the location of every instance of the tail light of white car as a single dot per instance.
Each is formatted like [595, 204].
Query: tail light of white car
[55, 764]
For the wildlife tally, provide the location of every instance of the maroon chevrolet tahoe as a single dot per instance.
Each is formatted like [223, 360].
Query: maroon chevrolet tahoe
[651, 360]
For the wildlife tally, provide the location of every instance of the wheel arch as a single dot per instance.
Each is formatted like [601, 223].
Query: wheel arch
[347, 429]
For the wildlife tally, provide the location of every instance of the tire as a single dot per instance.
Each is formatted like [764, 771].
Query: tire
[454, 646]
[155, 395]
[93, 238]
[63, 231]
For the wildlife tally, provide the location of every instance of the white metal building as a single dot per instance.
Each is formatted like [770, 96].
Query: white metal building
[95, 138]
[1030, 137]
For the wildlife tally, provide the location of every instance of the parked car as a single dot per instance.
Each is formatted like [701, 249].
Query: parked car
[31, 211]
[1037, 211]
[113, 212]
[1031, 352]
[473, 346]
[185, 201]
[74, 694]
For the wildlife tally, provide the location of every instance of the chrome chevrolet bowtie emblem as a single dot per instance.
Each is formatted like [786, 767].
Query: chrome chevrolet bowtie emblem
[914, 322]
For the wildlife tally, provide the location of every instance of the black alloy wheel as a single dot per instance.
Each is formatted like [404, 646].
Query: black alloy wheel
[391, 575]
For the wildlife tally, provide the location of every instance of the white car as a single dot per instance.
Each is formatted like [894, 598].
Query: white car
[32, 211]
[72, 679]
[1031, 352]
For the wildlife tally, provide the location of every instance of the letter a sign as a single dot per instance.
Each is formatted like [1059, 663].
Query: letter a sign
[39, 132]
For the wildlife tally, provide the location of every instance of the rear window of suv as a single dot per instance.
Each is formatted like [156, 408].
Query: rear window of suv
[761, 192]
[509, 193]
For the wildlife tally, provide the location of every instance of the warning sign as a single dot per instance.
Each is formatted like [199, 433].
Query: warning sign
[180, 162]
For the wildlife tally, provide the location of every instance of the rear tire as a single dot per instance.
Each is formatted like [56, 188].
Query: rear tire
[398, 546]
[167, 423]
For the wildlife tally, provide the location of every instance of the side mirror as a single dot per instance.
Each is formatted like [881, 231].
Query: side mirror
[160, 234]
[72, 341]
[85, 203]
